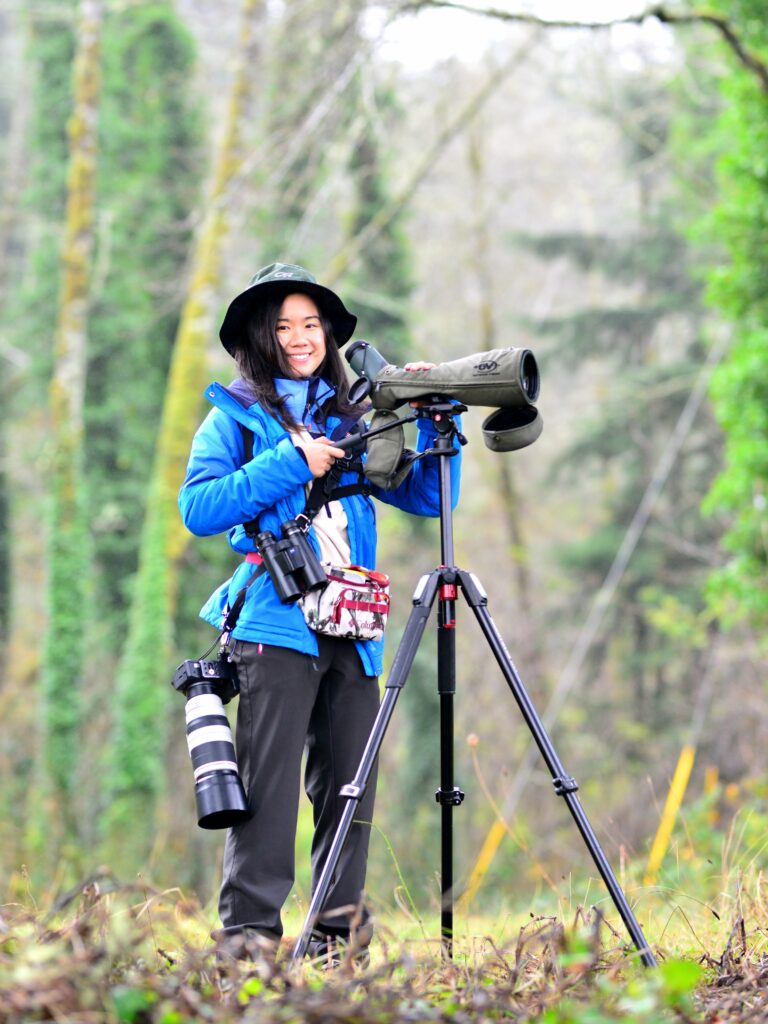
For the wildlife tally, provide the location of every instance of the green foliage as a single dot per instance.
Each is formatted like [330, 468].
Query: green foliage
[30, 315]
[63, 654]
[149, 175]
[148, 184]
[676, 618]
[27, 321]
[737, 289]
[718, 843]
[131, 1004]
[650, 998]
[647, 370]
[136, 758]
[382, 282]
[67, 549]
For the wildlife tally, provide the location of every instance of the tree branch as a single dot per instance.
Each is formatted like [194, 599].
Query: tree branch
[750, 60]
[351, 250]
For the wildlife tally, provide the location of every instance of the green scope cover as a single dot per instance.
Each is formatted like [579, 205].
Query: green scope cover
[501, 377]
[387, 463]
[505, 378]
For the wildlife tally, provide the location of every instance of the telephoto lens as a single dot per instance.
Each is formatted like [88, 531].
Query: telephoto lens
[219, 792]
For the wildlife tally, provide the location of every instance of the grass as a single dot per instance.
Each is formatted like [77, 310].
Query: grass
[110, 953]
[106, 953]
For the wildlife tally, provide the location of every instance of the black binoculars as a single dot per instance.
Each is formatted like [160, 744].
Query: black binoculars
[291, 562]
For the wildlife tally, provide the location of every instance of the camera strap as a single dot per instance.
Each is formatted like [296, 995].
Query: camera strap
[233, 613]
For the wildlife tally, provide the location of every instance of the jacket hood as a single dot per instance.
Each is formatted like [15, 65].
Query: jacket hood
[304, 397]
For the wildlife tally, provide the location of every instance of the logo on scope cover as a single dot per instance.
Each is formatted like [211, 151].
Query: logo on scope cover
[487, 367]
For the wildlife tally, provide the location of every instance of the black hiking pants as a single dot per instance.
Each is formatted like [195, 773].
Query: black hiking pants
[290, 702]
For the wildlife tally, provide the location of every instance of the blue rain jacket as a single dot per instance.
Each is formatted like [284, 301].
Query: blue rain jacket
[220, 492]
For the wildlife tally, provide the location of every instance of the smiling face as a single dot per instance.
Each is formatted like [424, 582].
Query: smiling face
[301, 335]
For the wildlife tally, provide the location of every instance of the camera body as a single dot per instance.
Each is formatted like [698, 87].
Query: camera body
[291, 562]
[220, 674]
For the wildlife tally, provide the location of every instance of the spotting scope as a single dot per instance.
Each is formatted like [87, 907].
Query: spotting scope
[506, 379]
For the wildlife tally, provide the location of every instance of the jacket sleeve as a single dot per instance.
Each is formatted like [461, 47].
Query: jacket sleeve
[219, 492]
[419, 492]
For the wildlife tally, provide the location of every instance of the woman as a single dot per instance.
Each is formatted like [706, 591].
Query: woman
[298, 689]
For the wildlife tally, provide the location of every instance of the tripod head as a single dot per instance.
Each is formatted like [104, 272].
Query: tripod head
[440, 410]
[389, 461]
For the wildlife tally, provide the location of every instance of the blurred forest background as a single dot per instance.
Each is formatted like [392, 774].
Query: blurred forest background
[466, 181]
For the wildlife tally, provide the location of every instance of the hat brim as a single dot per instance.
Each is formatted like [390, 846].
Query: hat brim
[241, 308]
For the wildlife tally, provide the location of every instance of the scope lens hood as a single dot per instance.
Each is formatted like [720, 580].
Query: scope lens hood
[507, 430]
[530, 381]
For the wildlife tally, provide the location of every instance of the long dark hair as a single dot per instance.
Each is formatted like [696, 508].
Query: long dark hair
[260, 358]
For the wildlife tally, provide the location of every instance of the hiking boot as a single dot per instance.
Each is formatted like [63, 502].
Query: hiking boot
[327, 952]
[244, 948]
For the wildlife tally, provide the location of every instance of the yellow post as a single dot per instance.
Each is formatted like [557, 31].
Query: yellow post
[487, 853]
[675, 796]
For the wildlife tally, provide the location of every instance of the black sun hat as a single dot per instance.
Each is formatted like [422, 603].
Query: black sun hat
[276, 281]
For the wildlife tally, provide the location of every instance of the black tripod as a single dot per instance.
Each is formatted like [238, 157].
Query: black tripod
[443, 585]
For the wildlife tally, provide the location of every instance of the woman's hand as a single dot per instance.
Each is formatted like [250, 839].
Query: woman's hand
[321, 453]
[421, 365]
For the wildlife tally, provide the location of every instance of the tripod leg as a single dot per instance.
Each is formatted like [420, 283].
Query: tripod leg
[423, 600]
[449, 795]
[565, 786]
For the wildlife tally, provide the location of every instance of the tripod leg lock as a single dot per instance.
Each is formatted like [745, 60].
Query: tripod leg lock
[352, 791]
[565, 784]
[473, 590]
[449, 797]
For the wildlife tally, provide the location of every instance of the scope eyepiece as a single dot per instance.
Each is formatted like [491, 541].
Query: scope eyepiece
[367, 362]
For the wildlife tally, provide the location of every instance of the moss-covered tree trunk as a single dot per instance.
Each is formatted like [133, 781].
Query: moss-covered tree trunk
[31, 278]
[137, 768]
[68, 558]
[150, 164]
